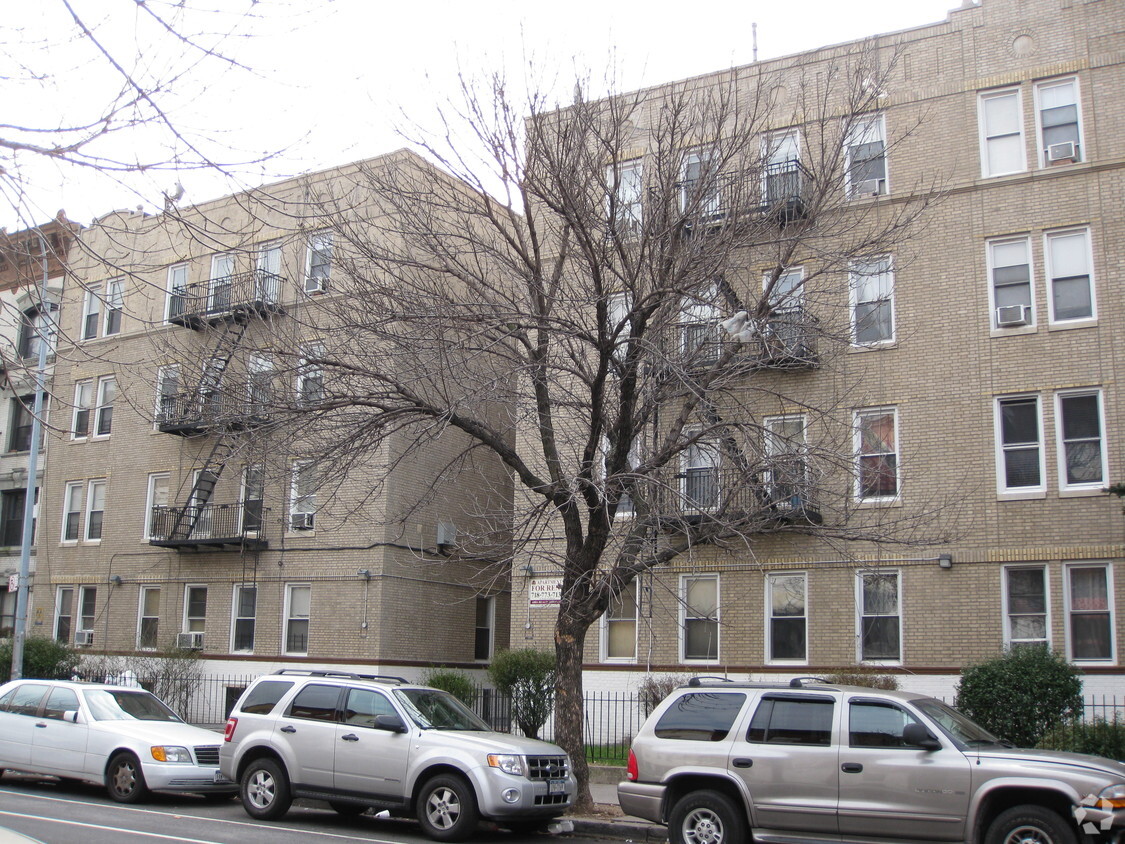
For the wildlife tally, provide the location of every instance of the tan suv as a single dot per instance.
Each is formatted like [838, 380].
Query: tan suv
[727, 763]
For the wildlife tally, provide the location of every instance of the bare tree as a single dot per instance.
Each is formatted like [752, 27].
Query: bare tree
[602, 301]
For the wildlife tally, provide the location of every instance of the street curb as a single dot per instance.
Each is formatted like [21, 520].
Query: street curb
[624, 829]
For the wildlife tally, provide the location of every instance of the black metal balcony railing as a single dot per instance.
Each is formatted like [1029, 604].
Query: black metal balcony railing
[784, 193]
[229, 297]
[787, 339]
[197, 412]
[215, 526]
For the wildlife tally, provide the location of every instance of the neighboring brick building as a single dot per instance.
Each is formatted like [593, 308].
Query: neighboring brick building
[982, 376]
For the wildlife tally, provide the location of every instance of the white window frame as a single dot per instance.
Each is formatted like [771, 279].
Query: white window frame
[72, 591]
[164, 375]
[289, 618]
[788, 292]
[984, 137]
[624, 203]
[1020, 492]
[268, 264]
[708, 206]
[235, 607]
[490, 625]
[142, 601]
[307, 372]
[776, 444]
[152, 495]
[769, 616]
[779, 147]
[319, 243]
[223, 265]
[249, 472]
[301, 503]
[866, 131]
[73, 504]
[1070, 612]
[861, 614]
[702, 454]
[991, 247]
[685, 579]
[177, 280]
[91, 314]
[189, 620]
[1005, 605]
[94, 487]
[1049, 239]
[1040, 143]
[1088, 487]
[107, 394]
[858, 273]
[700, 335]
[114, 304]
[608, 622]
[859, 453]
[83, 403]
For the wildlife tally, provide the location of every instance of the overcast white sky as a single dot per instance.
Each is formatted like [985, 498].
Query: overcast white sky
[331, 77]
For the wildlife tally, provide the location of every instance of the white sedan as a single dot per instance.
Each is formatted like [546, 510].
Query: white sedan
[124, 738]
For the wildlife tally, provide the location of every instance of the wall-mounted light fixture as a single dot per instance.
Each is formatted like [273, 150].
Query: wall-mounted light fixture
[945, 561]
[116, 580]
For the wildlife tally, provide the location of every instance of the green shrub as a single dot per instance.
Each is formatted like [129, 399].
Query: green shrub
[1099, 738]
[527, 677]
[457, 683]
[43, 658]
[1022, 694]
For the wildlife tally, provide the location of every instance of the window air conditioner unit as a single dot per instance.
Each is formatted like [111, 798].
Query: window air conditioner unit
[189, 641]
[301, 521]
[316, 284]
[1065, 151]
[1009, 315]
[84, 637]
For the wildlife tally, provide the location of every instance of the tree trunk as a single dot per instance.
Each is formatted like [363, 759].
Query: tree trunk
[570, 637]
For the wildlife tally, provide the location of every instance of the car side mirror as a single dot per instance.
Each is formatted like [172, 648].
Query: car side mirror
[916, 735]
[71, 715]
[390, 723]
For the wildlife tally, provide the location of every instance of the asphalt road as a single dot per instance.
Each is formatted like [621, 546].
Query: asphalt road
[79, 814]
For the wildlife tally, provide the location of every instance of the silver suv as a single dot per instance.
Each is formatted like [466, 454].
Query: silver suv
[364, 741]
[726, 763]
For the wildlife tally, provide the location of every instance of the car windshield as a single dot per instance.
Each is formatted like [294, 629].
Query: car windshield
[127, 705]
[964, 732]
[434, 710]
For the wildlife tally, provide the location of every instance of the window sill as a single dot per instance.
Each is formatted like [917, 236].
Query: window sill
[1018, 331]
[1087, 492]
[1030, 495]
[788, 663]
[1092, 322]
[877, 503]
[857, 348]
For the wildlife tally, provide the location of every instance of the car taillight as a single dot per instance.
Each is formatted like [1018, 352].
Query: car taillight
[631, 772]
[228, 733]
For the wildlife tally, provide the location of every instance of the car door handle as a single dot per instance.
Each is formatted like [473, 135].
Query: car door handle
[350, 737]
[41, 725]
[288, 728]
[851, 767]
[742, 763]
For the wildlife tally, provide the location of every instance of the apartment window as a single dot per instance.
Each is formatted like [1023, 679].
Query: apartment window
[253, 495]
[8, 614]
[1001, 133]
[1070, 282]
[700, 480]
[880, 621]
[1009, 269]
[619, 626]
[866, 165]
[699, 608]
[221, 281]
[699, 191]
[268, 282]
[1081, 449]
[12, 505]
[782, 154]
[318, 264]
[95, 509]
[786, 475]
[19, 435]
[876, 443]
[83, 406]
[297, 605]
[624, 205]
[245, 614]
[91, 313]
[260, 383]
[1019, 435]
[787, 631]
[148, 618]
[1059, 124]
[872, 297]
[1025, 606]
[788, 291]
[195, 608]
[158, 484]
[302, 496]
[310, 376]
[103, 412]
[72, 511]
[114, 306]
[87, 607]
[1089, 622]
[177, 290]
[64, 614]
[36, 326]
[483, 627]
[167, 394]
[699, 325]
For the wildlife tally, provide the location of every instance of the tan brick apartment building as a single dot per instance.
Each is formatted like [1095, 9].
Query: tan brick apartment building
[181, 511]
[981, 361]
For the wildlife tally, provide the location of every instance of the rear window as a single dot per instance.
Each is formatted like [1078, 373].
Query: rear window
[264, 697]
[315, 702]
[792, 720]
[700, 716]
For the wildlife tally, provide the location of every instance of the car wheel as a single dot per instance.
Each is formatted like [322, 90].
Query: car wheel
[264, 790]
[348, 810]
[125, 779]
[706, 817]
[447, 808]
[1030, 825]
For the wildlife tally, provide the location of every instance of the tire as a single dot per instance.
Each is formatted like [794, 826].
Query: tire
[348, 810]
[1030, 825]
[124, 779]
[264, 789]
[447, 808]
[707, 817]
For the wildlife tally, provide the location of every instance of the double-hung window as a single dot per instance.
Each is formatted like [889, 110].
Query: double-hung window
[267, 284]
[298, 606]
[19, 436]
[195, 609]
[114, 306]
[91, 313]
[245, 612]
[484, 623]
[1059, 123]
[786, 475]
[1002, 147]
[169, 406]
[1026, 606]
[83, 405]
[37, 327]
[700, 196]
[95, 509]
[302, 496]
[103, 411]
[148, 618]
[253, 498]
[156, 516]
[866, 167]
[1009, 272]
[318, 262]
[876, 449]
[1081, 443]
[700, 477]
[787, 613]
[699, 326]
[1071, 293]
[699, 618]
[624, 195]
[177, 304]
[72, 511]
[873, 301]
[1019, 446]
[64, 614]
[220, 286]
[1089, 611]
[784, 179]
[619, 626]
[310, 376]
[879, 621]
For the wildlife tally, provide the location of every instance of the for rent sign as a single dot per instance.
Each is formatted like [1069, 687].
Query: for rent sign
[544, 590]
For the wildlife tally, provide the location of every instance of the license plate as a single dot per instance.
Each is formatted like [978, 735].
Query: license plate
[220, 779]
[556, 786]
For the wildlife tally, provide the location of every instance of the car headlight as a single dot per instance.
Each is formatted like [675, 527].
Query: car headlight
[163, 753]
[507, 763]
[1114, 795]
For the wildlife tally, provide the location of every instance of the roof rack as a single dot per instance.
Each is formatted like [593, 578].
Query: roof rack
[799, 682]
[348, 675]
[698, 681]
